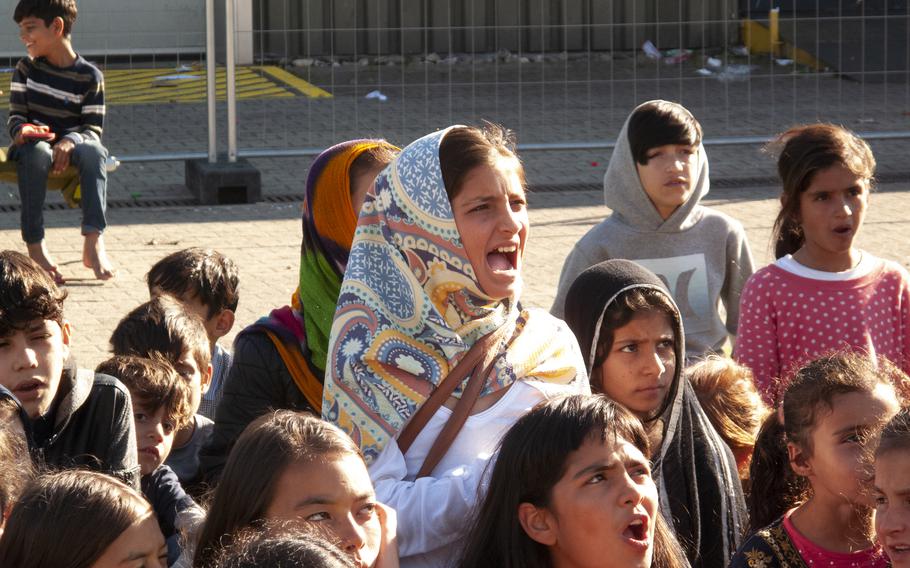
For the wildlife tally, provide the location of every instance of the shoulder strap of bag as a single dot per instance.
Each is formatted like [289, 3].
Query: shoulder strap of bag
[480, 356]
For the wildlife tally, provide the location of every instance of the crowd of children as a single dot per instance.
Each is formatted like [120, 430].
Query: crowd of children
[407, 409]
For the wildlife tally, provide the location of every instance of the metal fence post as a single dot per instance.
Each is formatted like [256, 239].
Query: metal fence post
[230, 85]
[210, 93]
[215, 181]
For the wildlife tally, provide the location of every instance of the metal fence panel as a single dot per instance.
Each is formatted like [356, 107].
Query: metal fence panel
[563, 74]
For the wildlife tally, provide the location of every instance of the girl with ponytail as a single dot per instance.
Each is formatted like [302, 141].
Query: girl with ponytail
[810, 502]
[822, 292]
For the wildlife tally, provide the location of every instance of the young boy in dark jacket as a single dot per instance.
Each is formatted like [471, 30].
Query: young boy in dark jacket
[78, 418]
[161, 405]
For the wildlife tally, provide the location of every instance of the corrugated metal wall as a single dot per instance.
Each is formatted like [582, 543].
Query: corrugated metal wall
[320, 28]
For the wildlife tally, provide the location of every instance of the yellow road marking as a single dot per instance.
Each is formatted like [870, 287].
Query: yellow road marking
[149, 86]
[304, 87]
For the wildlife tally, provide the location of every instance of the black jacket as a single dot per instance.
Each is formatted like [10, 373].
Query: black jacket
[258, 382]
[90, 425]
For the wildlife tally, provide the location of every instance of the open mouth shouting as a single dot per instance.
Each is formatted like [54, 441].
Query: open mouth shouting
[503, 258]
[637, 532]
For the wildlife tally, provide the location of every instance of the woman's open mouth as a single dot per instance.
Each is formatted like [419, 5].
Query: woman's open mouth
[503, 259]
[637, 531]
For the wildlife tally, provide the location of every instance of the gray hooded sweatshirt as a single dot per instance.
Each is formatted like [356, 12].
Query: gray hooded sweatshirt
[701, 255]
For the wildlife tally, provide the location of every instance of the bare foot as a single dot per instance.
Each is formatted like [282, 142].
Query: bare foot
[95, 257]
[39, 253]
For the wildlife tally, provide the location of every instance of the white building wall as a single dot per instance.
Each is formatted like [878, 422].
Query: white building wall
[124, 27]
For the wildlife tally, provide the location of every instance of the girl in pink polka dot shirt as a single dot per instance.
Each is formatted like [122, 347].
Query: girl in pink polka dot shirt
[822, 293]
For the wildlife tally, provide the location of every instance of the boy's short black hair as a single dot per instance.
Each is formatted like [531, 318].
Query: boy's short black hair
[27, 293]
[153, 383]
[659, 123]
[47, 10]
[204, 273]
[162, 326]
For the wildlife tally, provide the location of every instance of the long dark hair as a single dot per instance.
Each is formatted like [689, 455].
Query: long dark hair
[775, 487]
[806, 150]
[69, 519]
[532, 459]
[262, 453]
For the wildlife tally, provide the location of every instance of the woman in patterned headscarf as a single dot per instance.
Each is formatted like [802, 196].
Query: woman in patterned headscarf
[280, 360]
[433, 280]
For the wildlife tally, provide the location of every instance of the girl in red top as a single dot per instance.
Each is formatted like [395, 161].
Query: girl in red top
[822, 293]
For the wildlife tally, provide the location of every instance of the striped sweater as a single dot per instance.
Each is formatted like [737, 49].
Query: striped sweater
[68, 100]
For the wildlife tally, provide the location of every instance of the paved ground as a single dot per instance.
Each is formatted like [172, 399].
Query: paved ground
[264, 240]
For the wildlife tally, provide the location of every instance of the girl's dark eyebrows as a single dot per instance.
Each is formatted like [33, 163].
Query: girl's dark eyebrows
[479, 199]
[852, 429]
[315, 500]
[633, 460]
[594, 468]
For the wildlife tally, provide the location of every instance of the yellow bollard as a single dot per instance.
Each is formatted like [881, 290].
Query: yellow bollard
[774, 25]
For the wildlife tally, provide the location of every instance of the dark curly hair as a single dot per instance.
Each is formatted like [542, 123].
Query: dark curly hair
[27, 294]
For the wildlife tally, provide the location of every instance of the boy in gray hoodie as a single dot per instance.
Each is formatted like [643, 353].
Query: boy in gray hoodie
[657, 175]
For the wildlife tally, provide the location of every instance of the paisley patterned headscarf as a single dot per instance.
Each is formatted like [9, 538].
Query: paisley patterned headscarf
[300, 332]
[411, 307]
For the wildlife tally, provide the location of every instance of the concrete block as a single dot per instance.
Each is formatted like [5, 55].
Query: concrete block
[223, 182]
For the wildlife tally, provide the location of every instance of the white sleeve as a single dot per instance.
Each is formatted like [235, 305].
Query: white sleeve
[431, 510]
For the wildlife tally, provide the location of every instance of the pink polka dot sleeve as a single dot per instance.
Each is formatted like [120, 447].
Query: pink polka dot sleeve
[756, 344]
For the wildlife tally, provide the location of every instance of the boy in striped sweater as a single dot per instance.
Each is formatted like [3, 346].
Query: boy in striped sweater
[56, 114]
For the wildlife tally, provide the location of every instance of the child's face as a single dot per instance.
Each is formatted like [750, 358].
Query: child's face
[669, 176]
[604, 507]
[31, 363]
[154, 436]
[40, 39]
[838, 466]
[832, 209]
[491, 214]
[892, 505]
[641, 363]
[336, 493]
[142, 544]
[198, 379]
